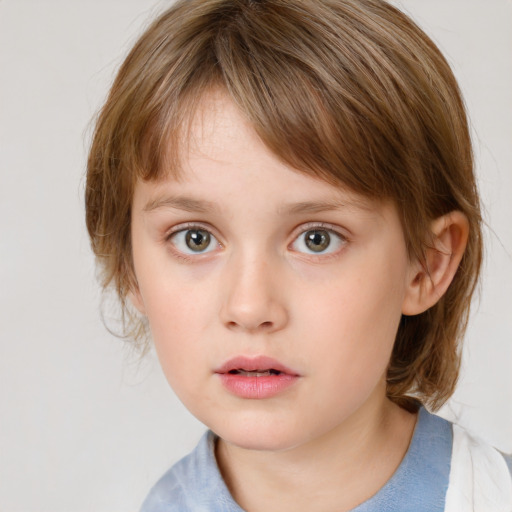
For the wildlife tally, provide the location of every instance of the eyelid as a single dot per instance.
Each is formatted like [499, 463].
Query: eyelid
[190, 226]
[309, 226]
[320, 226]
[303, 228]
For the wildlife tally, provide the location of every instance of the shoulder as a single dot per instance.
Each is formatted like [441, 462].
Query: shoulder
[480, 476]
[193, 484]
[508, 461]
[466, 443]
[171, 492]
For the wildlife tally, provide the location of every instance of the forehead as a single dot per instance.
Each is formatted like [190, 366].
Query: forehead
[224, 165]
[218, 131]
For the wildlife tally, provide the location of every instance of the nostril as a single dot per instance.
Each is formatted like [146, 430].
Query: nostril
[263, 325]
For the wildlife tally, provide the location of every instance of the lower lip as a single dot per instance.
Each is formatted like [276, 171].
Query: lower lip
[257, 387]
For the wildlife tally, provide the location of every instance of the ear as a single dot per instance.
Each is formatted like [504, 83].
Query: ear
[135, 298]
[429, 279]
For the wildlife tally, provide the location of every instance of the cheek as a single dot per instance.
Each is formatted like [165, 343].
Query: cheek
[360, 308]
[360, 315]
[177, 314]
[175, 296]
[177, 335]
[177, 317]
[355, 337]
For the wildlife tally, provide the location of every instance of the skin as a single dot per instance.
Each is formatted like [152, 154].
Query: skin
[258, 289]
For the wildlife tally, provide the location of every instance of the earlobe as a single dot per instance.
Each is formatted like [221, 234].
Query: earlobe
[429, 280]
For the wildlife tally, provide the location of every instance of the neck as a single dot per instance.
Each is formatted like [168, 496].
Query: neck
[369, 447]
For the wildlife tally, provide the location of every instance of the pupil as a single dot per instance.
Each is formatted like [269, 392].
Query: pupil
[197, 239]
[318, 240]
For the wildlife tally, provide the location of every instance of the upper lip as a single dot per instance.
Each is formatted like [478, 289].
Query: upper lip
[251, 364]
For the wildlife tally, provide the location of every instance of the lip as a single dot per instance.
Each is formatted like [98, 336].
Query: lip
[257, 386]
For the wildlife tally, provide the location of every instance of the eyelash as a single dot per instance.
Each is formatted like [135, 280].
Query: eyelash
[188, 257]
[320, 226]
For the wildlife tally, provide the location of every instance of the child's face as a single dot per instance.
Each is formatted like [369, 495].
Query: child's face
[266, 272]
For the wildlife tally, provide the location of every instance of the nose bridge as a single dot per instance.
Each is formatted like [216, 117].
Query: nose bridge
[253, 298]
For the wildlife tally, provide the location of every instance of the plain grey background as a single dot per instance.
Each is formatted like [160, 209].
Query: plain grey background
[84, 426]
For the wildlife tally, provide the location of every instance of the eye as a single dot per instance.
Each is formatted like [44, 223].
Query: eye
[193, 241]
[318, 241]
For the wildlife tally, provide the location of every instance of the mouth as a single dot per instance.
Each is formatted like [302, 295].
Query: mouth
[256, 378]
[260, 366]
[255, 373]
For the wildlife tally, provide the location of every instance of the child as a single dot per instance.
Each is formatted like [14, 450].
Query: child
[284, 190]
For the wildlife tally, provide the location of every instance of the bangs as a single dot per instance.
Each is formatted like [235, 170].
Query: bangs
[335, 110]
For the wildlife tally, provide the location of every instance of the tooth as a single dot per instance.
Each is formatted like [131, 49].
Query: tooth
[257, 373]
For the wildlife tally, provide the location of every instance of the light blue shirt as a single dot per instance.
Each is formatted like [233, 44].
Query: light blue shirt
[419, 484]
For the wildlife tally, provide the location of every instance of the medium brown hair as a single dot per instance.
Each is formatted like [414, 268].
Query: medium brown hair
[351, 91]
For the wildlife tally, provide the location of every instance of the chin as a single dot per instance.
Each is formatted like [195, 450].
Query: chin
[260, 435]
[258, 442]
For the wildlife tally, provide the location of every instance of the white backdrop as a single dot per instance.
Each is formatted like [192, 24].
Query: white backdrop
[83, 425]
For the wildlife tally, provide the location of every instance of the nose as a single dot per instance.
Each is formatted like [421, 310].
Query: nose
[253, 296]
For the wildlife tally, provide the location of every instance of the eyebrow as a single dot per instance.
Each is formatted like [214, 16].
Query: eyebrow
[190, 204]
[319, 206]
